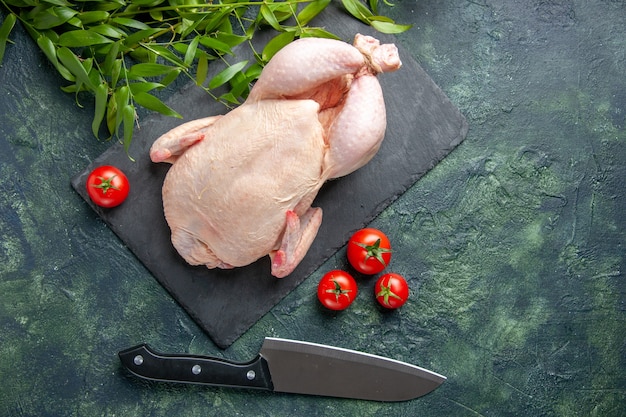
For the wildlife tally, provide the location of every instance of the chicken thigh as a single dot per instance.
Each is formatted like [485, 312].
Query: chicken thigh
[242, 184]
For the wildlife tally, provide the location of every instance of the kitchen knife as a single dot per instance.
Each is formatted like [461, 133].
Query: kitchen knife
[294, 367]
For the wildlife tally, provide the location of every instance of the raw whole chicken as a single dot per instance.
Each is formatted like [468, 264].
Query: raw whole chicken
[242, 184]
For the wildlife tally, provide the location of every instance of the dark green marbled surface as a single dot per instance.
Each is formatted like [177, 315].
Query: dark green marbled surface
[513, 245]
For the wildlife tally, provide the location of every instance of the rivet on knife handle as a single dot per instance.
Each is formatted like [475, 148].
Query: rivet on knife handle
[146, 363]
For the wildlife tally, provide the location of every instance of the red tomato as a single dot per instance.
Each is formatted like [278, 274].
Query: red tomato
[107, 186]
[391, 290]
[337, 290]
[369, 251]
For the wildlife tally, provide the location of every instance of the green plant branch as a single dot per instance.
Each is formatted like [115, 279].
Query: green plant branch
[116, 52]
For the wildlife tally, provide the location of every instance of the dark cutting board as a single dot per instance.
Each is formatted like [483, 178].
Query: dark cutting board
[423, 127]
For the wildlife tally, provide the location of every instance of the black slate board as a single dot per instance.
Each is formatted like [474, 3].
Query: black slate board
[423, 127]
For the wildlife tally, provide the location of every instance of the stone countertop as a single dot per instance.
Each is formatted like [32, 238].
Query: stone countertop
[513, 245]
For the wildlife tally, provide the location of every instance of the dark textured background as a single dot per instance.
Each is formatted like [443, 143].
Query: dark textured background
[513, 245]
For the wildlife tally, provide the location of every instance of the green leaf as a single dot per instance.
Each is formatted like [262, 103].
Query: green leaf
[151, 102]
[216, 19]
[381, 19]
[240, 83]
[156, 15]
[374, 6]
[230, 39]
[93, 16]
[270, 18]
[108, 30]
[191, 25]
[87, 64]
[101, 96]
[133, 40]
[216, 45]
[48, 48]
[65, 12]
[116, 70]
[190, 54]
[311, 10]
[131, 23]
[165, 53]
[169, 78]
[309, 32]
[129, 117]
[143, 55]
[225, 75]
[57, 2]
[74, 88]
[122, 99]
[389, 27]
[110, 57]
[148, 3]
[253, 71]
[73, 64]
[5, 30]
[149, 70]
[94, 72]
[283, 10]
[51, 17]
[274, 13]
[275, 44]
[186, 26]
[74, 21]
[107, 6]
[202, 70]
[111, 114]
[144, 87]
[229, 98]
[78, 38]
[358, 10]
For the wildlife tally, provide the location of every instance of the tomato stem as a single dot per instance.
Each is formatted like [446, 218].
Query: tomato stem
[338, 291]
[106, 184]
[385, 292]
[374, 251]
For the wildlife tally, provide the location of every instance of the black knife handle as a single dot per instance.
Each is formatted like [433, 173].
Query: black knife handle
[193, 369]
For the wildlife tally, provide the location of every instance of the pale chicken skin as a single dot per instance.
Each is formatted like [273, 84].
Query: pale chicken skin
[242, 184]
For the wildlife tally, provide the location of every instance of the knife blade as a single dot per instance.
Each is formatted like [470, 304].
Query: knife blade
[293, 367]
